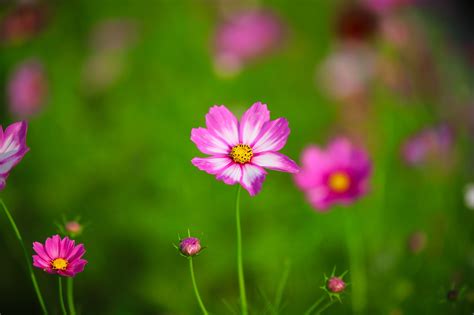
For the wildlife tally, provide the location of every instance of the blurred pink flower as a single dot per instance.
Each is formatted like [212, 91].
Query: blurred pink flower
[58, 256]
[27, 89]
[384, 6]
[244, 37]
[240, 151]
[347, 72]
[434, 142]
[23, 22]
[12, 148]
[337, 175]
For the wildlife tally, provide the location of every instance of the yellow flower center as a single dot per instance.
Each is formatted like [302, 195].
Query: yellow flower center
[241, 153]
[339, 182]
[59, 264]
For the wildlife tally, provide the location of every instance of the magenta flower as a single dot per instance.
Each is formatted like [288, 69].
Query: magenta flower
[12, 148]
[338, 174]
[60, 256]
[240, 151]
[246, 36]
[27, 89]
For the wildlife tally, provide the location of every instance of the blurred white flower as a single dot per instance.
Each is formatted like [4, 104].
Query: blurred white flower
[347, 72]
[469, 196]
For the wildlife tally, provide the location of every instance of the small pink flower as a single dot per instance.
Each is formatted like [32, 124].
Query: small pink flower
[338, 174]
[240, 151]
[336, 285]
[27, 89]
[12, 148]
[59, 256]
[246, 36]
[190, 246]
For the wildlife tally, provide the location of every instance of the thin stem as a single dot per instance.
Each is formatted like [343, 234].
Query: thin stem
[314, 306]
[240, 267]
[27, 258]
[325, 307]
[70, 296]
[356, 264]
[61, 298]
[281, 287]
[196, 291]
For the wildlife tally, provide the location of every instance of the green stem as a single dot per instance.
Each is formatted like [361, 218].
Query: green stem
[325, 307]
[315, 304]
[240, 267]
[61, 298]
[356, 264]
[27, 257]
[196, 291]
[70, 296]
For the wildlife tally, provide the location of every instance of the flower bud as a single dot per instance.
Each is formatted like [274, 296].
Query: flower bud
[336, 285]
[190, 246]
[73, 227]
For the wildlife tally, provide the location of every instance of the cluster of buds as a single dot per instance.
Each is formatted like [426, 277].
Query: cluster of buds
[334, 285]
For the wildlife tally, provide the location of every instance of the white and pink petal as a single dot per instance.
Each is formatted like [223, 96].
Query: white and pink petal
[272, 137]
[212, 165]
[230, 174]
[275, 161]
[221, 122]
[14, 141]
[208, 142]
[252, 178]
[252, 123]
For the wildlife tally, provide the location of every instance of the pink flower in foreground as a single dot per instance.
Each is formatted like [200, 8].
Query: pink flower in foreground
[12, 148]
[246, 36]
[338, 174]
[60, 256]
[27, 89]
[240, 151]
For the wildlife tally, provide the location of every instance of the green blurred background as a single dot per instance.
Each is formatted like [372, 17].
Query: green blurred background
[119, 157]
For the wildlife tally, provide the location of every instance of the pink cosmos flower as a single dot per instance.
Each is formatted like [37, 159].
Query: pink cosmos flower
[59, 256]
[12, 148]
[27, 89]
[245, 36]
[240, 151]
[338, 174]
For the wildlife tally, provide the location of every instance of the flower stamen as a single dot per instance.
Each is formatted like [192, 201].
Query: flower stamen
[339, 182]
[59, 264]
[241, 153]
